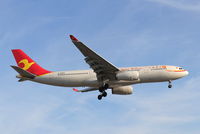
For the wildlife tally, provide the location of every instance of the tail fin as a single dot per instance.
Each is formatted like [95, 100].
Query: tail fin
[27, 64]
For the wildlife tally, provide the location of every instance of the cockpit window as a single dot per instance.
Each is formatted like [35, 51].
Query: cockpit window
[180, 68]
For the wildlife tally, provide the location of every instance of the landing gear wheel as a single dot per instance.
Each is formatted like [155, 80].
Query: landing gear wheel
[169, 86]
[99, 97]
[104, 94]
[102, 90]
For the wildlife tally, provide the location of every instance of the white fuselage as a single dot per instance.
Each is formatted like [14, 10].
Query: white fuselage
[87, 78]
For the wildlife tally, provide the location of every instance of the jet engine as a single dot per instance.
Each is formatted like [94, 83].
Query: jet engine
[127, 75]
[123, 90]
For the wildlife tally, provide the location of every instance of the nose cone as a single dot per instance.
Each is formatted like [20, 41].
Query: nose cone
[186, 73]
[178, 75]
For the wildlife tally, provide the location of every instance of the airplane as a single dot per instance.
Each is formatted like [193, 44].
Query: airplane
[102, 76]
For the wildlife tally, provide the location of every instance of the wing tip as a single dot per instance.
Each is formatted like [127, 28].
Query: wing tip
[73, 38]
[76, 90]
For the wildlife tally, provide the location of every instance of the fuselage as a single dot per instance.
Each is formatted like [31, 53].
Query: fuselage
[87, 78]
[102, 76]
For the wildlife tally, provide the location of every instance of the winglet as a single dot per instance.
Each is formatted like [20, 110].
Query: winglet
[73, 38]
[76, 90]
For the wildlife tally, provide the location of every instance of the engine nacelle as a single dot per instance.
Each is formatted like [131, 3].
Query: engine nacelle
[123, 90]
[128, 75]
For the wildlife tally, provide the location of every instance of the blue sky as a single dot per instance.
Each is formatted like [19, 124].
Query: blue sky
[126, 33]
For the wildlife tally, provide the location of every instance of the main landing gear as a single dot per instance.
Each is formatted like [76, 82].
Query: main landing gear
[102, 91]
[170, 84]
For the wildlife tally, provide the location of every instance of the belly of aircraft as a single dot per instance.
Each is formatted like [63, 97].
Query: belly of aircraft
[65, 80]
[153, 76]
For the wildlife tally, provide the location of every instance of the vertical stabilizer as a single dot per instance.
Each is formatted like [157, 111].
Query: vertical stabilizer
[27, 64]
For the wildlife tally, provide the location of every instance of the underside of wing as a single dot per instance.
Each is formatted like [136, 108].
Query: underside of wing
[86, 89]
[103, 69]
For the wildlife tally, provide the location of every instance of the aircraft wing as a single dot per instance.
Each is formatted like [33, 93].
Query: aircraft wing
[103, 69]
[86, 89]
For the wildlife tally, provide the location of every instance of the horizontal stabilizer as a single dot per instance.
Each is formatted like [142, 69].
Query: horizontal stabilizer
[23, 73]
[23, 79]
[86, 89]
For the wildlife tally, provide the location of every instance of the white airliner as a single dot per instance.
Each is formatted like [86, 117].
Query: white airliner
[103, 75]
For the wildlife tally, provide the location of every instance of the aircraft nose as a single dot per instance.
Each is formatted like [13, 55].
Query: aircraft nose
[186, 73]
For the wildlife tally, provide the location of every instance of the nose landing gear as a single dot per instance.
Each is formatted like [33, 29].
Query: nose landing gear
[170, 84]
